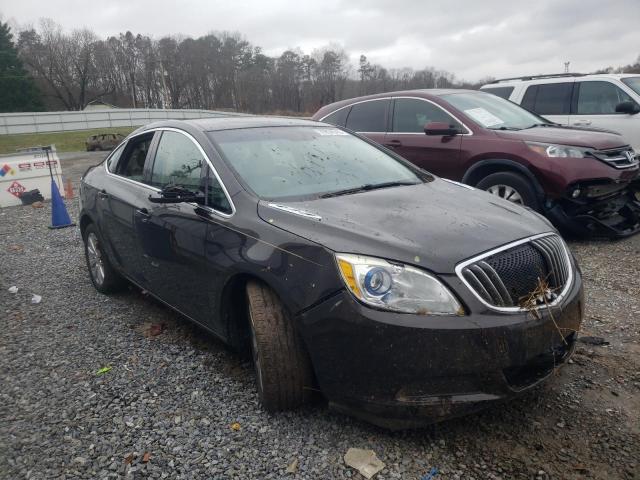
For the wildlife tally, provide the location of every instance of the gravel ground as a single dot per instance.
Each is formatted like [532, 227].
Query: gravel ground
[167, 406]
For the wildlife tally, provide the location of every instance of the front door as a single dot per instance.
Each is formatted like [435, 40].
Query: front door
[173, 237]
[595, 106]
[436, 153]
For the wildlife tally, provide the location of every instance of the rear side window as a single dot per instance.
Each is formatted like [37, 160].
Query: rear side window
[411, 115]
[338, 118]
[549, 99]
[368, 116]
[599, 98]
[502, 92]
[131, 165]
[113, 159]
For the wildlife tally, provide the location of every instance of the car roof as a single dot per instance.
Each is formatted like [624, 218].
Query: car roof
[232, 122]
[508, 82]
[422, 92]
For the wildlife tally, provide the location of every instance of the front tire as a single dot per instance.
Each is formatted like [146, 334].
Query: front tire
[104, 277]
[283, 370]
[512, 187]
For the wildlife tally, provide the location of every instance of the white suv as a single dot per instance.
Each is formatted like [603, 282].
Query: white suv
[605, 101]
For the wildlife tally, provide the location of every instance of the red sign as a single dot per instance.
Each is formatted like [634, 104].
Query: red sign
[16, 189]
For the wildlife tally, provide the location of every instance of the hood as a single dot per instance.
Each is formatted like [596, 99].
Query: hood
[579, 137]
[433, 225]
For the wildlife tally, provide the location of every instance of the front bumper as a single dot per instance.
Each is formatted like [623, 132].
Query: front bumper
[602, 210]
[405, 371]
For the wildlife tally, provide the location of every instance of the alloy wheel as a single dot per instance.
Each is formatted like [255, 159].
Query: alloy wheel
[94, 255]
[506, 192]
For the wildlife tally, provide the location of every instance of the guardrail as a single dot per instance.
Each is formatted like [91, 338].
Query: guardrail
[37, 122]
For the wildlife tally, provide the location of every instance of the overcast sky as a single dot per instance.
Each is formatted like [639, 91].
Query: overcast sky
[470, 38]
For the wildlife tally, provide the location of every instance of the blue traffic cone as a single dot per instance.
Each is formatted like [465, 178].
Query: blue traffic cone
[59, 216]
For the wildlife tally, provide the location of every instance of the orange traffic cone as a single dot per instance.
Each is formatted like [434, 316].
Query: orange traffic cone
[68, 190]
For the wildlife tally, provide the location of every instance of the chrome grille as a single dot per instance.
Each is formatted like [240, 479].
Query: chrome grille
[508, 276]
[623, 157]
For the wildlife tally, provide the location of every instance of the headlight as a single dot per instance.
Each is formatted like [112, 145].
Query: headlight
[396, 287]
[556, 151]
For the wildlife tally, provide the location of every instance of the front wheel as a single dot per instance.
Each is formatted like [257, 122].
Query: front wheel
[512, 187]
[283, 370]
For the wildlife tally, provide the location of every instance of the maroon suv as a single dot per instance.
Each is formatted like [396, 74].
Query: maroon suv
[585, 181]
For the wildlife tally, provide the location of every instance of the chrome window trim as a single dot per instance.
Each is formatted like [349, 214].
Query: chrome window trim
[207, 159]
[460, 266]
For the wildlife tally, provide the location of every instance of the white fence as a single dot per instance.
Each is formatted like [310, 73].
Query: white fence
[36, 122]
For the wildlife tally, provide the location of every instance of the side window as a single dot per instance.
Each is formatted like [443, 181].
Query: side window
[338, 118]
[215, 196]
[178, 161]
[368, 116]
[549, 99]
[411, 115]
[113, 159]
[503, 92]
[598, 98]
[131, 164]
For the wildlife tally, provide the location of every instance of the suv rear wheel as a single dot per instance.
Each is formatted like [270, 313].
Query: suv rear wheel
[512, 187]
[283, 371]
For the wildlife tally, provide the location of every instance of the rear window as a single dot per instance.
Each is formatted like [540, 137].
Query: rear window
[370, 116]
[549, 99]
[502, 92]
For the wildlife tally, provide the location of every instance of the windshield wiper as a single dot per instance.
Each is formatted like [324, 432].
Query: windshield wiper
[504, 128]
[367, 187]
[543, 125]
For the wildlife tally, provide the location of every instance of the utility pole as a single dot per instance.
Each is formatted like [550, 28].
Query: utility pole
[566, 67]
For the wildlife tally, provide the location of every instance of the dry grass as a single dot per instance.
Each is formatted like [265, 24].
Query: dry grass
[73, 141]
[538, 300]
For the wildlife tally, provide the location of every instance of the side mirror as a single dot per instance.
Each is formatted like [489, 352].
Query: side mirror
[176, 194]
[440, 128]
[628, 107]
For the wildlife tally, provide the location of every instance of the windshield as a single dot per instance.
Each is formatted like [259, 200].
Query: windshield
[493, 112]
[279, 162]
[634, 83]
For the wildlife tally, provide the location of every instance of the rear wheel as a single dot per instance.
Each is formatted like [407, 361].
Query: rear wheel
[283, 370]
[104, 277]
[512, 187]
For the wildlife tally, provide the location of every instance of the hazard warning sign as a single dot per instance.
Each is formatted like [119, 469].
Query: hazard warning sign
[16, 189]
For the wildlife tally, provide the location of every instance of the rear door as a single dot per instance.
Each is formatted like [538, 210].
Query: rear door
[595, 106]
[436, 153]
[369, 118]
[551, 100]
[122, 200]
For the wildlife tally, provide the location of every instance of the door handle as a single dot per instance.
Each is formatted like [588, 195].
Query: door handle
[582, 123]
[102, 194]
[393, 144]
[144, 214]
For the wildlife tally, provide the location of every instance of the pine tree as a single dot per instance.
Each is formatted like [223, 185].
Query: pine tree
[18, 92]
